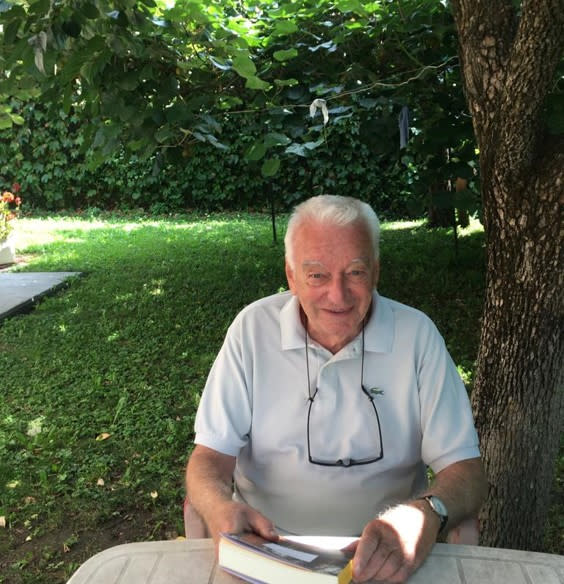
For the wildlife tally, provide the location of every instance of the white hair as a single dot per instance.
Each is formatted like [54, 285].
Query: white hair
[333, 210]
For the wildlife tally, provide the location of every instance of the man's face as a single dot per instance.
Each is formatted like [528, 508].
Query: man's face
[333, 277]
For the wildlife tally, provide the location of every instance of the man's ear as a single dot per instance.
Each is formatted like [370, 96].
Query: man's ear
[290, 277]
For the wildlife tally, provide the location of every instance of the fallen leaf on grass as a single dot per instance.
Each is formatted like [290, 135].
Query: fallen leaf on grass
[102, 436]
[2, 521]
[66, 548]
[100, 482]
[154, 494]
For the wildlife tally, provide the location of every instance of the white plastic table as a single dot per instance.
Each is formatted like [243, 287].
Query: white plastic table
[192, 562]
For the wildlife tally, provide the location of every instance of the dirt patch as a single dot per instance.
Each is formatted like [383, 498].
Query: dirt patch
[52, 558]
[21, 260]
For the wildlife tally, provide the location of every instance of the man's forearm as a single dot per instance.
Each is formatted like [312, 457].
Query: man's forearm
[209, 480]
[462, 487]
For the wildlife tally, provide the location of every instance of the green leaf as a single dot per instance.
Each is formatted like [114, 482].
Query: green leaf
[5, 122]
[256, 83]
[276, 139]
[297, 149]
[351, 6]
[286, 82]
[368, 102]
[329, 45]
[303, 149]
[128, 113]
[129, 81]
[39, 8]
[199, 136]
[256, 151]
[15, 11]
[163, 133]
[135, 145]
[17, 119]
[285, 55]
[87, 71]
[89, 10]
[72, 28]
[284, 27]
[314, 145]
[224, 66]
[67, 100]
[270, 167]
[11, 31]
[210, 139]
[215, 142]
[211, 123]
[244, 65]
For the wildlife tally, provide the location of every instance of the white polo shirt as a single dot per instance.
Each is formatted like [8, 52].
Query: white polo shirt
[255, 407]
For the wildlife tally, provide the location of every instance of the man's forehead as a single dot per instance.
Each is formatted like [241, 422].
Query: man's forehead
[360, 260]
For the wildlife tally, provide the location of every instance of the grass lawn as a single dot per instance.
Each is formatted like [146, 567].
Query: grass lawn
[100, 383]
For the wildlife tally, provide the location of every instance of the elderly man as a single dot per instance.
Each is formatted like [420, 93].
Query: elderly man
[326, 405]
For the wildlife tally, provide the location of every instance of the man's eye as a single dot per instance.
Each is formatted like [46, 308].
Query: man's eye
[316, 278]
[357, 274]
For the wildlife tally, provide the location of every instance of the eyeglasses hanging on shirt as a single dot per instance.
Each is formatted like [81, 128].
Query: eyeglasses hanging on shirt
[374, 433]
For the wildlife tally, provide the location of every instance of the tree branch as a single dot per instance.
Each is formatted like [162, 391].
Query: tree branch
[536, 52]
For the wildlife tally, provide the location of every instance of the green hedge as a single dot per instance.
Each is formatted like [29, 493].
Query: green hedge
[46, 156]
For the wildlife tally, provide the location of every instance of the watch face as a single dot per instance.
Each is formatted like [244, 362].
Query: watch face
[438, 505]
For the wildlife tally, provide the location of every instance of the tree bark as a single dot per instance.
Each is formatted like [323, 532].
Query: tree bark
[508, 62]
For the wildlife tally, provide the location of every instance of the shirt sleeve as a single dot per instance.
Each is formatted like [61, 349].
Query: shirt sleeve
[223, 418]
[448, 432]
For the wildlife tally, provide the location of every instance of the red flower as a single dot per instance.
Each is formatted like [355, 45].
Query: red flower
[16, 187]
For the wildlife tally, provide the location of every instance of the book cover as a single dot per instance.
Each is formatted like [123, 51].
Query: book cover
[261, 561]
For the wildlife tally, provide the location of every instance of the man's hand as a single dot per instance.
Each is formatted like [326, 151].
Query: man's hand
[233, 517]
[395, 544]
[208, 480]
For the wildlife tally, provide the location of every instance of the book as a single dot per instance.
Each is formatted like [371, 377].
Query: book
[285, 561]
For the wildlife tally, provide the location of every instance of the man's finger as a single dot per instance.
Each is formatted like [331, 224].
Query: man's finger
[390, 570]
[262, 525]
[367, 551]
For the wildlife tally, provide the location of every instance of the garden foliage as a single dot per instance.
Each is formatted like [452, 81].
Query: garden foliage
[56, 169]
[207, 104]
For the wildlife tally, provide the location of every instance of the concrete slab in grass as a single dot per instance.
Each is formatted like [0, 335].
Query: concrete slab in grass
[20, 291]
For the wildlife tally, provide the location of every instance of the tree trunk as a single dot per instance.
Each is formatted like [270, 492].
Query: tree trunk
[508, 64]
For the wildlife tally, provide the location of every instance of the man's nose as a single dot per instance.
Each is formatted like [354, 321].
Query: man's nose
[338, 292]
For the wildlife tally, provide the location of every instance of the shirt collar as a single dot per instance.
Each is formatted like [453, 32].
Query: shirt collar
[379, 330]
[291, 328]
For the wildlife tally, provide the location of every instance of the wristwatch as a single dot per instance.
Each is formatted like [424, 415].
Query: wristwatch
[439, 508]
